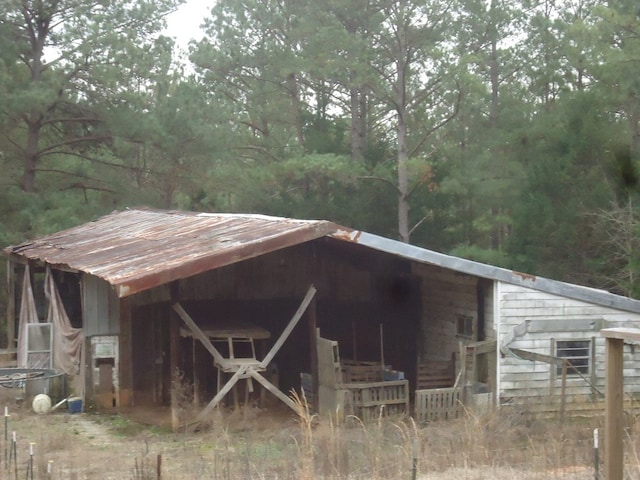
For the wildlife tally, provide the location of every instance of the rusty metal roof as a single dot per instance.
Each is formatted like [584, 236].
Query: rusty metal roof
[135, 250]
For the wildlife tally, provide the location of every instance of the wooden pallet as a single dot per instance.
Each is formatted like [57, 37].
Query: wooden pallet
[438, 404]
[369, 400]
[358, 371]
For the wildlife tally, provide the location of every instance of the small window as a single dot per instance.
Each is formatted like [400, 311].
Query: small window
[464, 326]
[578, 352]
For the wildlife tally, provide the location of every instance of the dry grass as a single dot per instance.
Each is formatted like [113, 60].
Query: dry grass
[256, 444]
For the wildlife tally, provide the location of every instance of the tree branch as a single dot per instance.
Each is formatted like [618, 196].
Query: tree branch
[380, 179]
[439, 125]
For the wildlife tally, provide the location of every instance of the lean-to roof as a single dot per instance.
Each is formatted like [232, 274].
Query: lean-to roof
[135, 250]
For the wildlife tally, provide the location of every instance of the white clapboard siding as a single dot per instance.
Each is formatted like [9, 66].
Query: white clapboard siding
[524, 379]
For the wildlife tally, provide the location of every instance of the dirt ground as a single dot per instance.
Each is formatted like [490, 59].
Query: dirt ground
[92, 446]
[252, 443]
[133, 443]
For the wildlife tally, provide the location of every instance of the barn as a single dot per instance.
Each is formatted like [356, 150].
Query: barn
[127, 301]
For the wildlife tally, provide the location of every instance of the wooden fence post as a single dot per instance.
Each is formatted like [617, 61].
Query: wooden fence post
[614, 404]
[613, 442]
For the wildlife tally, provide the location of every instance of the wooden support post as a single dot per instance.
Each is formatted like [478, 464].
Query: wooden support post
[563, 394]
[594, 375]
[313, 352]
[382, 346]
[553, 370]
[196, 382]
[614, 400]
[354, 338]
[613, 436]
[174, 338]
[125, 374]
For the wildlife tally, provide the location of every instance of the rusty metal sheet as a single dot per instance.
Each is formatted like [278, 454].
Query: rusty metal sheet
[135, 250]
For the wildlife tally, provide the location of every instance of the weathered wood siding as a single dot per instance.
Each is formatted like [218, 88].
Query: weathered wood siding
[447, 295]
[100, 307]
[489, 311]
[537, 382]
[282, 274]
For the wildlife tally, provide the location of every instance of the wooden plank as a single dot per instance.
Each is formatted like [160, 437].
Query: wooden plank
[329, 372]
[621, 334]
[487, 346]
[238, 329]
[537, 357]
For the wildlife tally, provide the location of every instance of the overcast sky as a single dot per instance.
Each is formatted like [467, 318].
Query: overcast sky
[184, 23]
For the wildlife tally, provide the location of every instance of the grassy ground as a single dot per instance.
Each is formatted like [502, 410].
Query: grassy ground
[257, 444]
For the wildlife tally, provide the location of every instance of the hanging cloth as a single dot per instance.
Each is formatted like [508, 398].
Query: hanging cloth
[35, 339]
[67, 340]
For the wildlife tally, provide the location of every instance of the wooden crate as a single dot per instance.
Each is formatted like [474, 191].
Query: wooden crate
[369, 400]
[357, 371]
[438, 404]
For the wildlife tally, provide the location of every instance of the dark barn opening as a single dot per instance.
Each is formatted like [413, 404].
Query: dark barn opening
[367, 302]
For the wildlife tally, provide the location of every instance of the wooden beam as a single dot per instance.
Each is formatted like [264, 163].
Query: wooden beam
[614, 408]
[240, 373]
[537, 357]
[292, 323]
[485, 346]
[220, 360]
[273, 389]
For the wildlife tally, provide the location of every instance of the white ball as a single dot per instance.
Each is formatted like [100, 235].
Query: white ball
[41, 403]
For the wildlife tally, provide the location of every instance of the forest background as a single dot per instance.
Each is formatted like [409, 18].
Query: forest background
[500, 131]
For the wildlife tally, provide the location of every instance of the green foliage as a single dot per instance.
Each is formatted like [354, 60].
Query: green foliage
[568, 175]
[340, 110]
[310, 186]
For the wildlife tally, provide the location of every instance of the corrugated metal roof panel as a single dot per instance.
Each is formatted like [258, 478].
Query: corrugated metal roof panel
[135, 250]
[470, 267]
